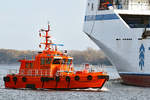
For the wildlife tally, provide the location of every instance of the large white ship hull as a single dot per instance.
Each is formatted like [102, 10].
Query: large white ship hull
[126, 72]
[124, 46]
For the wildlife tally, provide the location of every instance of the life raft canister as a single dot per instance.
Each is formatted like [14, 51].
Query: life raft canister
[6, 79]
[67, 78]
[89, 77]
[77, 78]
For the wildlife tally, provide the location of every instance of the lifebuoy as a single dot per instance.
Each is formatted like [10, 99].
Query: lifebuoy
[6, 79]
[77, 78]
[24, 79]
[57, 78]
[89, 77]
[15, 79]
[67, 78]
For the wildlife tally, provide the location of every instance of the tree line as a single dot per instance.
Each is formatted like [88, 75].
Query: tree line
[8, 56]
[91, 56]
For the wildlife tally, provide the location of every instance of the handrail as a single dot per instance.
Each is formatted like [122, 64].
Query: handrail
[31, 72]
[131, 6]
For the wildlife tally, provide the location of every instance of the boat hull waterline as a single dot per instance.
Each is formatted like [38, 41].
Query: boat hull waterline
[39, 82]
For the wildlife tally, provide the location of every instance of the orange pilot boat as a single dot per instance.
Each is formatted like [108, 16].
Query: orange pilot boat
[52, 69]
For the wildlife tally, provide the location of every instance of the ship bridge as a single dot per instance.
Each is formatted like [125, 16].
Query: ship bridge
[126, 5]
[131, 4]
[135, 13]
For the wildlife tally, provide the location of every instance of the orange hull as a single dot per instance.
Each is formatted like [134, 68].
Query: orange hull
[34, 82]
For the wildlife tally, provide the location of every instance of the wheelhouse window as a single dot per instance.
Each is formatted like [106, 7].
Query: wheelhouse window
[57, 61]
[69, 61]
[42, 61]
[48, 60]
[64, 61]
[104, 4]
[29, 65]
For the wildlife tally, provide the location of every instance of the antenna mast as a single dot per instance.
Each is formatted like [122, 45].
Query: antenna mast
[47, 42]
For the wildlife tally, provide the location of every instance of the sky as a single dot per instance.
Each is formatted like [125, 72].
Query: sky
[20, 21]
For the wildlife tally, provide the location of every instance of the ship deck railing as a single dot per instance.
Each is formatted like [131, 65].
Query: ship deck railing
[131, 6]
[30, 72]
[36, 72]
[47, 72]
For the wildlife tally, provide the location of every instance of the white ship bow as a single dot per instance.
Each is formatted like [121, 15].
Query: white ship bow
[121, 28]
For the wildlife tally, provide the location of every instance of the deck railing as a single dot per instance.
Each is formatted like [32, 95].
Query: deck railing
[31, 72]
[132, 6]
[47, 72]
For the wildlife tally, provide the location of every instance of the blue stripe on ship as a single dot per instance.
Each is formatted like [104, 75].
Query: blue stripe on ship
[132, 73]
[101, 17]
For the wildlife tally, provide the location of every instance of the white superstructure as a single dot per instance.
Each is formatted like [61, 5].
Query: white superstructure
[121, 28]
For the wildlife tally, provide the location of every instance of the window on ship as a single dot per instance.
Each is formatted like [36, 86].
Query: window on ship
[64, 61]
[104, 4]
[119, 3]
[137, 21]
[69, 61]
[29, 65]
[48, 60]
[42, 61]
[57, 61]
